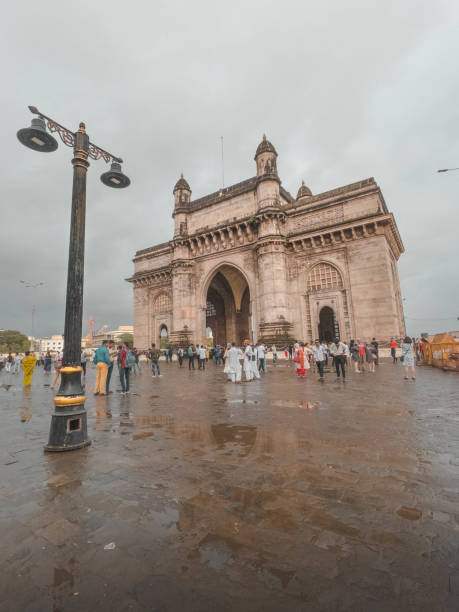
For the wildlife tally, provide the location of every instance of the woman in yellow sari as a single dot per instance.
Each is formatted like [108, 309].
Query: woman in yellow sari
[28, 365]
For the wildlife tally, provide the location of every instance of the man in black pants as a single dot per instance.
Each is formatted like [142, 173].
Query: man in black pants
[191, 356]
[339, 351]
[319, 356]
[376, 345]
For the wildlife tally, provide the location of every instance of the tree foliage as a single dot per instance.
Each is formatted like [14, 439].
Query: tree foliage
[12, 341]
[128, 338]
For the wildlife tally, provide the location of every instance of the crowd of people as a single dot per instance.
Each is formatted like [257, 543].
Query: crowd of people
[248, 360]
[307, 357]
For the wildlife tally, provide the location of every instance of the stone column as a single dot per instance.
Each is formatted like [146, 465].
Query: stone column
[273, 289]
[183, 303]
[141, 316]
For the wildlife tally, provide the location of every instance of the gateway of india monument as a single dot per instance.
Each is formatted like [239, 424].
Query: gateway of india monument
[250, 261]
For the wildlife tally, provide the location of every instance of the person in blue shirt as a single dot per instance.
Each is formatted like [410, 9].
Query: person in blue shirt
[102, 362]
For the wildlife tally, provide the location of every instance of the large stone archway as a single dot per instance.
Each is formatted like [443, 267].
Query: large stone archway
[228, 306]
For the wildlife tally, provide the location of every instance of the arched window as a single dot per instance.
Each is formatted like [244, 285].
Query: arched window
[162, 303]
[323, 276]
[210, 309]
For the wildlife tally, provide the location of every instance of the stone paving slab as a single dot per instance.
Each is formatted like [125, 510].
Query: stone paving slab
[281, 494]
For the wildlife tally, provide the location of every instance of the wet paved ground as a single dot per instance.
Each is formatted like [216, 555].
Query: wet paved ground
[283, 494]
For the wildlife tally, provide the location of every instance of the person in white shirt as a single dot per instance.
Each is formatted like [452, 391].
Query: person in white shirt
[248, 363]
[319, 356]
[340, 351]
[17, 364]
[324, 346]
[255, 372]
[261, 357]
[234, 370]
[83, 360]
[202, 357]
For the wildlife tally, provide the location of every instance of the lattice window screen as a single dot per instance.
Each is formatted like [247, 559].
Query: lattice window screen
[323, 276]
[210, 309]
[163, 303]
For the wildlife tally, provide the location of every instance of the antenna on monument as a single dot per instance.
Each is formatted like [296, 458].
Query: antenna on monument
[223, 165]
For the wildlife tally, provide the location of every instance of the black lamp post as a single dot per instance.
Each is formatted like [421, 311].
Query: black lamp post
[69, 422]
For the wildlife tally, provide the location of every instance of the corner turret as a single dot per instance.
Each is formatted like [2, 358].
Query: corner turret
[268, 182]
[182, 192]
[182, 197]
[265, 157]
[303, 192]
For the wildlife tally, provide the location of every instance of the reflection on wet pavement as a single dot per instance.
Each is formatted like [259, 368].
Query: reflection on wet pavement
[200, 495]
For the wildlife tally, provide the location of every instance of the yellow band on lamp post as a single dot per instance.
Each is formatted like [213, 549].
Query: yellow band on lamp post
[71, 369]
[69, 401]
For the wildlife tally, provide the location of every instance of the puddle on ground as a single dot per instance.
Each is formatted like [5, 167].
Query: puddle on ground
[284, 403]
[242, 401]
[242, 435]
[216, 551]
[146, 420]
[62, 575]
[272, 575]
[143, 434]
[412, 514]
[308, 405]
[217, 557]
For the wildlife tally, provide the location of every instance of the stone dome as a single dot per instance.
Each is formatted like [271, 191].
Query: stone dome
[181, 184]
[265, 147]
[303, 191]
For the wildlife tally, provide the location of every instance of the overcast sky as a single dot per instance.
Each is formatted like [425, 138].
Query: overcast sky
[344, 90]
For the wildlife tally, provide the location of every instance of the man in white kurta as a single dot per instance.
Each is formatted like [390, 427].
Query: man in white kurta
[234, 367]
[248, 363]
[17, 364]
[255, 372]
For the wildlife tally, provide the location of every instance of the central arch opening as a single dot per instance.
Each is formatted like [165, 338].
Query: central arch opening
[328, 324]
[228, 307]
[163, 337]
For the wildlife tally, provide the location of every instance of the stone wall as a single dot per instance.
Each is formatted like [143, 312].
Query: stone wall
[154, 261]
[372, 289]
[239, 207]
[325, 215]
[141, 316]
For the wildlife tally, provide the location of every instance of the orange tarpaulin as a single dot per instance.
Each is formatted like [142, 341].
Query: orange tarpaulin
[442, 351]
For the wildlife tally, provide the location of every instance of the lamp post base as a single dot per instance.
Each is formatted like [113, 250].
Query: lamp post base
[69, 430]
[60, 449]
[69, 427]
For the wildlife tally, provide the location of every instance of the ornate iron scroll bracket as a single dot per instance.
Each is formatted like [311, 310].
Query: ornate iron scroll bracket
[68, 138]
[96, 153]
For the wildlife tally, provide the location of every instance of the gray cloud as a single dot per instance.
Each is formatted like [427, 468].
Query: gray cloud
[343, 90]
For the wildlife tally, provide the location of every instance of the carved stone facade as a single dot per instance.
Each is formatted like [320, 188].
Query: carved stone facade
[251, 261]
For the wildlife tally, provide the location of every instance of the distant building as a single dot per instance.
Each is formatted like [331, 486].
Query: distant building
[34, 343]
[55, 343]
[106, 334]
